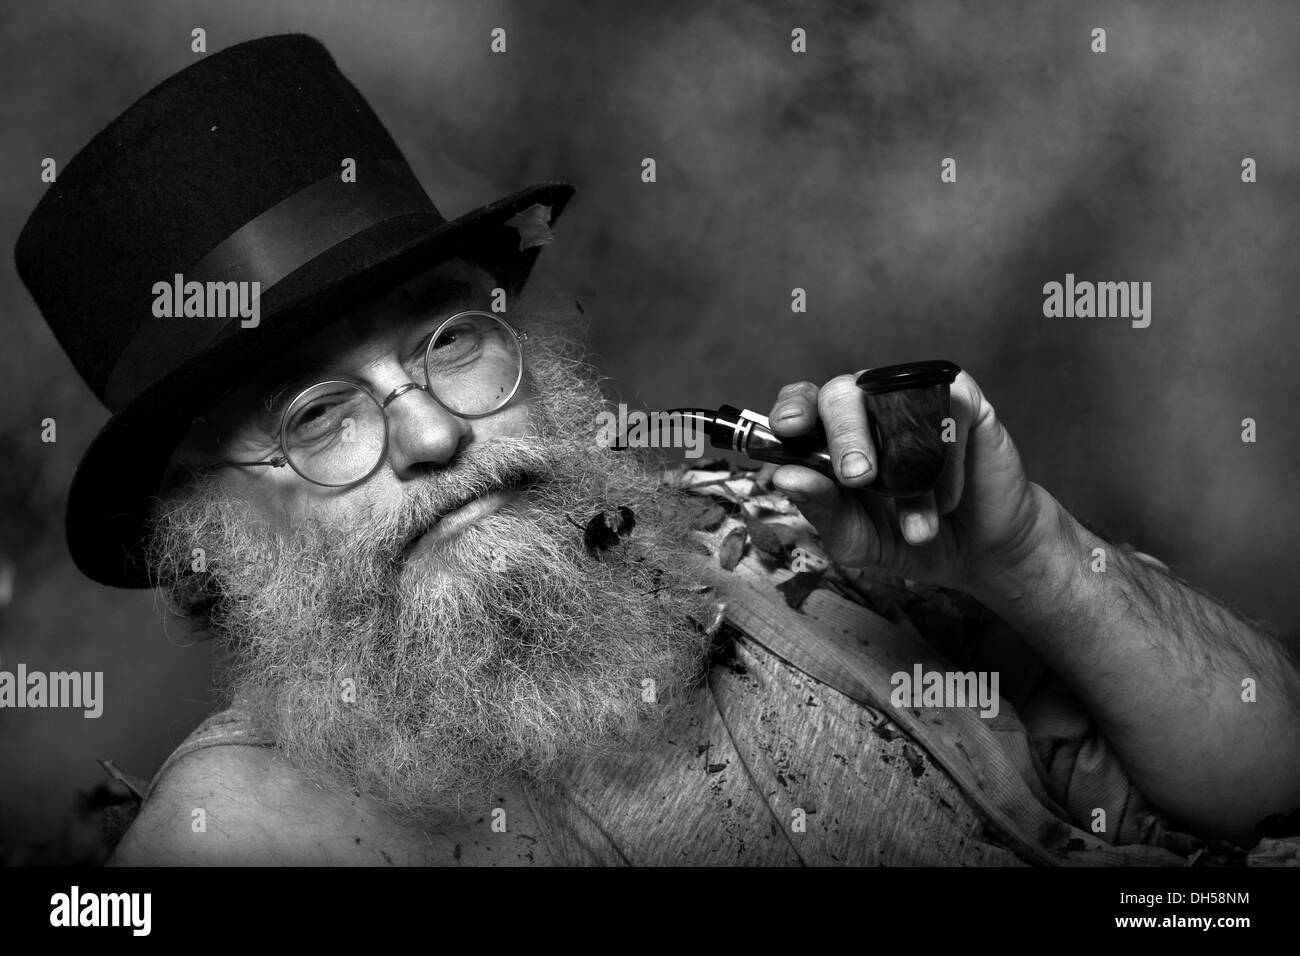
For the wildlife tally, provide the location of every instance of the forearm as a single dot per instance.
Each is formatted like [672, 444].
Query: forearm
[1163, 670]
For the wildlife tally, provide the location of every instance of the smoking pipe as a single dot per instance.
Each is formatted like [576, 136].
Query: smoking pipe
[907, 407]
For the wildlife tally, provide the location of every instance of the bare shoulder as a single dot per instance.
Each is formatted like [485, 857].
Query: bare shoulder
[238, 805]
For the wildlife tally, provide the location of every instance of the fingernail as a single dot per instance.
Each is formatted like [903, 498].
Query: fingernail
[786, 412]
[854, 464]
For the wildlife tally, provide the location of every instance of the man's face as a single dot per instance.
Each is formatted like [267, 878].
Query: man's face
[428, 661]
[379, 347]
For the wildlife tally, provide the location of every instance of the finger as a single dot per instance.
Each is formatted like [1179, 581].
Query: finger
[990, 456]
[965, 395]
[795, 410]
[843, 415]
[846, 530]
[918, 519]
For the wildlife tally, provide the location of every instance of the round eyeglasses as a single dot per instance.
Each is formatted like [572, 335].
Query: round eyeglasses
[336, 433]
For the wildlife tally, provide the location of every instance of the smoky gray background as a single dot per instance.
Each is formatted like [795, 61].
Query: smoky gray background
[775, 170]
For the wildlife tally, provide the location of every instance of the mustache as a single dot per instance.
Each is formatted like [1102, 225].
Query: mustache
[507, 464]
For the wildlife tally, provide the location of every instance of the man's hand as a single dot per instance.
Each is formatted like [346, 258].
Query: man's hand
[1202, 707]
[983, 521]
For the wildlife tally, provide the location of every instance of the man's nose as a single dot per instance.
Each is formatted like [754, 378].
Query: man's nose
[421, 432]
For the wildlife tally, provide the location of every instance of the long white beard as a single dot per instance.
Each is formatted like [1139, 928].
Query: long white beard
[504, 654]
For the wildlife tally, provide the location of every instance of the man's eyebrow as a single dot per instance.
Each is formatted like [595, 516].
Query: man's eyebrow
[273, 401]
[444, 294]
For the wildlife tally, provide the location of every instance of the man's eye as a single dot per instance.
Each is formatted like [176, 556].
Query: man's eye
[455, 343]
[448, 338]
[311, 415]
[320, 418]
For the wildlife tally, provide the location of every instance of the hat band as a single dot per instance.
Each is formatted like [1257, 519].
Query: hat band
[265, 250]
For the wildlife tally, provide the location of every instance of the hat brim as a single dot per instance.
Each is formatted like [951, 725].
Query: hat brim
[117, 480]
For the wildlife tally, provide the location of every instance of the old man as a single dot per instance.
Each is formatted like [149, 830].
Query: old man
[379, 496]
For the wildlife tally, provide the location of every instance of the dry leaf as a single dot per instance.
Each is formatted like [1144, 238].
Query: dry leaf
[732, 549]
[710, 517]
[764, 477]
[603, 532]
[766, 539]
[797, 588]
[533, 225]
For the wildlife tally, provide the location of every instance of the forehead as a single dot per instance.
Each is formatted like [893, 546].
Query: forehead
[439, 291]
[442, 289]
[451, 283]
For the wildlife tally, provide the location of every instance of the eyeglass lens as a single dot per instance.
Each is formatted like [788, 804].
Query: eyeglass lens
[473, 364]
[335, 432]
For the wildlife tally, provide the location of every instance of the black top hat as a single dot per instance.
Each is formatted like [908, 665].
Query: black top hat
[232, 169]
